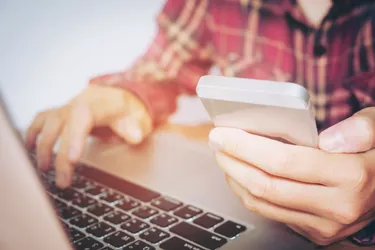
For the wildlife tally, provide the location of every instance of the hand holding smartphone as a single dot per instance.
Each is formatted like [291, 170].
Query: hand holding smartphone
[279, 110]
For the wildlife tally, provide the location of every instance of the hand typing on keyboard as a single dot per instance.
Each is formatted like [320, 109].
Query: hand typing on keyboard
[324, 194]
[97, 110]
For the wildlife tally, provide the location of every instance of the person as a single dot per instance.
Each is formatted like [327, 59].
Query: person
[324, 194]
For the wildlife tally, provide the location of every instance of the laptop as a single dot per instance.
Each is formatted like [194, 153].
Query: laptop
[165, 194]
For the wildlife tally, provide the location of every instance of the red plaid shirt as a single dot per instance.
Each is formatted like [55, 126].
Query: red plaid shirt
[269, 39]
[262, 39]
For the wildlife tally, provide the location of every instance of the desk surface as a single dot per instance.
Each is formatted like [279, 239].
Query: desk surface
[200, 133]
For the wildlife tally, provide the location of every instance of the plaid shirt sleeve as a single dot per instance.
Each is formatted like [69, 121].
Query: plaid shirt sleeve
[173, 63]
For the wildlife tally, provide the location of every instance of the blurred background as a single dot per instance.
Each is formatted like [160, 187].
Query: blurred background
[49, 50]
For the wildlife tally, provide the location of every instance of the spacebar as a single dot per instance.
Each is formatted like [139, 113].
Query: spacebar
[126, 187]
[199, 236]
[177, 243]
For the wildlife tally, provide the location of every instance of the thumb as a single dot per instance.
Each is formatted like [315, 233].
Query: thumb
[130, 129]
[353, 135]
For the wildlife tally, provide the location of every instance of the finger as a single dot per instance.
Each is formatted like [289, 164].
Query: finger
[277, 213]
[308, 234]
[313, 236]
[48, 137]
[130, 129]
[355, 134]
[285, 160]
[300, 231]
[34, 130]
[311, 198]
[335, 237]
[73, 140]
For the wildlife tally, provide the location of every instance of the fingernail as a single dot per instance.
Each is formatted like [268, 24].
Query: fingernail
[30, 142]
[41, 159]
[42, 163]
[333, 143]
[336, 139]
[132, 129]
[215, 140]
[73, 154]
[136, 133]
[62, 179]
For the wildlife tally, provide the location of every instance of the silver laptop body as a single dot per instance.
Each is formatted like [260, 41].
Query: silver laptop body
[170, 164]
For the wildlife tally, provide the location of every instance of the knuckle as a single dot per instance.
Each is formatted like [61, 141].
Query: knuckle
[321, 235]
[44, 145]
[321, 241]
[233, 144]
[264, 187]
[328, 232]
[38, 120]
[232, 147]
[283, 162]
[250, 204]
[89, 91]
[349, 213]
[360, 174]
[40, 115]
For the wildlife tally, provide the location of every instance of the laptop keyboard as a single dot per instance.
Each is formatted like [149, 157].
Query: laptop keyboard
[101, 211]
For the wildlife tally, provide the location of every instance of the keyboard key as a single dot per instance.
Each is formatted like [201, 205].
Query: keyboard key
[83, 221]
[95, 190]
[69, 212]
[177, 243]
[154, 235]
[99, 209]
[208, 220]
[164, 220]
[116, 217]
[145, 212]
[230, 229]
[127, 204]
[198, 235]
[60, 205]
[52, 188]
[75, 234]
[89, 244]
[139, 245]
[83, 201]
[81, 183]
[118, 239]
[167, 204]
[119, 184]
[101, 229]
[111, 196]
[134, 226]
[68, 194]
[188, 212]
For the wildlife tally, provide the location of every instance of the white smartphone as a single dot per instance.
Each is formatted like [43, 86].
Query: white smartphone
[279, 110]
